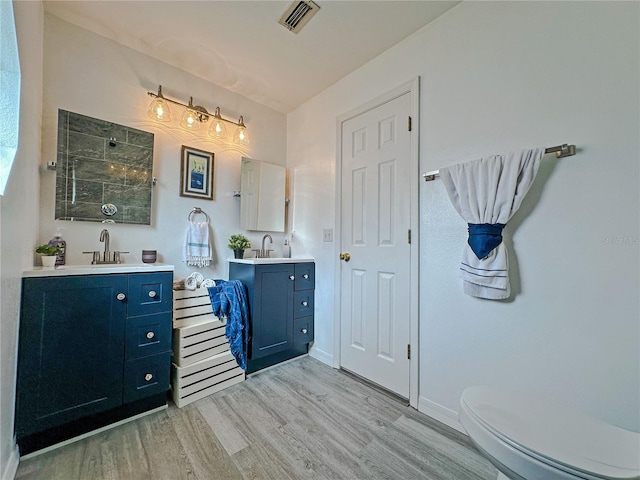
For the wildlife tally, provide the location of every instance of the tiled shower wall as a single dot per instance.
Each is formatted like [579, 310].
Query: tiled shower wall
[95, 171]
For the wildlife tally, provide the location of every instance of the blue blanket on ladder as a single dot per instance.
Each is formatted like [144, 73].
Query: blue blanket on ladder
[228, 299]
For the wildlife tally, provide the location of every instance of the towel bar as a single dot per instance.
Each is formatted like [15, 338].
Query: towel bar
[561, 151]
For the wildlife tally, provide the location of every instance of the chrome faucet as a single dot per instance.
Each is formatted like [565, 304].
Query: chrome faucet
[99, 259]
[104, 237]
[265, 253]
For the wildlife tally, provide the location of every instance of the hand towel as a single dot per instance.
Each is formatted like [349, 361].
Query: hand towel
[486, 193]
[207, 283]
[197, 249]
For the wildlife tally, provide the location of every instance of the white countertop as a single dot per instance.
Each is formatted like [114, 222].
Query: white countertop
[102, 269]
[260, 261]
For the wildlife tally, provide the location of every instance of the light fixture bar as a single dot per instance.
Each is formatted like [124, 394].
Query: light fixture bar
[197, 108]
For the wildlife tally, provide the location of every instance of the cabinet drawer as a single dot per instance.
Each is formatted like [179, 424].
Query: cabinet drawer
[148, 335]
[303, 303]
[305, 276]
[302, 330]
[150, 293]
[146, 376]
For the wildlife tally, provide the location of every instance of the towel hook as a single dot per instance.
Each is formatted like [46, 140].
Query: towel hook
[196, 211]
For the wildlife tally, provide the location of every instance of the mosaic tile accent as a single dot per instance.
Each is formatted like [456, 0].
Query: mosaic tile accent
[92, 172]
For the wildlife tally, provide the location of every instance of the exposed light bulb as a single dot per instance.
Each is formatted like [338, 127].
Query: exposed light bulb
[241, 137]
[217, 128]
[159, 109]
[189, 118]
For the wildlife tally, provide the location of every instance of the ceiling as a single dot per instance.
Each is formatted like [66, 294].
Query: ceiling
[239, 45]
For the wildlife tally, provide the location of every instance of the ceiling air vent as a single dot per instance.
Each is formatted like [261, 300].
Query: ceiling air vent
[298, 15]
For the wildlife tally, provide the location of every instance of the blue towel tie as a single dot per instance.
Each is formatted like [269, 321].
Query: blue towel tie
[228, 299]
[484, 237]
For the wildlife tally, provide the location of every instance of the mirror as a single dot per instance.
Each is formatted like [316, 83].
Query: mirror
[262, 196]
[103, 171]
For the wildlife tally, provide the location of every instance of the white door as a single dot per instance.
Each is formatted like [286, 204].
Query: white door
[375, 216]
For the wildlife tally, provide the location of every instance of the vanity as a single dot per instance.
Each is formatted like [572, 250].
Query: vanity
[94, 349]
[280, 293]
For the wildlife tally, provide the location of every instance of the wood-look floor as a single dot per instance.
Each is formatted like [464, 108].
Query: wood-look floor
[298, 420]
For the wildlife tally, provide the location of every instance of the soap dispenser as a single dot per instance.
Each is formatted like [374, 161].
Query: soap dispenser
[286, 250]
[57, 241]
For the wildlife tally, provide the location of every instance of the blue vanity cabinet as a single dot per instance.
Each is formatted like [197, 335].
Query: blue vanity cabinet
[281, 301]
[84, 361]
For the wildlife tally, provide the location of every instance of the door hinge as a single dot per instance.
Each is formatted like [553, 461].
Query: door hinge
[409, 236]
[409, 124]
[408, 351]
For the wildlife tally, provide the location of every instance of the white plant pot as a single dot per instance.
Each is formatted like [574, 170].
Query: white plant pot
[48, 261]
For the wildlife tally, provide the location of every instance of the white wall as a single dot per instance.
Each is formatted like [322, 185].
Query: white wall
[495, 77]
[91, 75]
[19, 218]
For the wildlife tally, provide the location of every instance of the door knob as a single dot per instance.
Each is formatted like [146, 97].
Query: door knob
[345, 256]
[121, 297]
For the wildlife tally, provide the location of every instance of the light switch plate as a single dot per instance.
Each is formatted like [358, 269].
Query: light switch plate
[327, 235]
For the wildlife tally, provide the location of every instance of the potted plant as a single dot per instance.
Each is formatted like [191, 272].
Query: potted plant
[48, 255]
[238, 243]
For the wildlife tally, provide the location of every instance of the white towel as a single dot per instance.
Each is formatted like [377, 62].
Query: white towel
[490, 190]
[208, 282]
[190, 283]
[197, 249]
[197, 276]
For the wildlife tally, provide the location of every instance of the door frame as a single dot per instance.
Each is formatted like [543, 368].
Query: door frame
[413, 88]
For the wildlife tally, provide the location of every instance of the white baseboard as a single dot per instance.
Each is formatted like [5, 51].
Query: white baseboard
[440, 413]
[11, 467]
[321, 356]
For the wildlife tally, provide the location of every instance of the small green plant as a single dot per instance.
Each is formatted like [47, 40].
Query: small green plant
[49, 250]
[239, 242]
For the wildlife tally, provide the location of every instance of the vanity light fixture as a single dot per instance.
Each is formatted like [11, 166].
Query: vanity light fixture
[217, 128]
[158, 108]
[194, 116]
[241, 137]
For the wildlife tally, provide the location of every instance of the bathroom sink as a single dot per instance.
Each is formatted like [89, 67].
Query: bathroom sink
[97, 269]
[259, 261]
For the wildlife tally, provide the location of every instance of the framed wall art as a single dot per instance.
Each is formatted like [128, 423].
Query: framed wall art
[196, 173]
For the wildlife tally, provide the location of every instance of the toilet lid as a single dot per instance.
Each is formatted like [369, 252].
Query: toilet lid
[556, 434]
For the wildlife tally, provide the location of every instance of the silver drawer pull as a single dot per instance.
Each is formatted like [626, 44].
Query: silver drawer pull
[305, 276]
[292, 277]
[148, 377]
[152, 294]
[305, 303]
[150, 335]
[304, 330]
[121, 296]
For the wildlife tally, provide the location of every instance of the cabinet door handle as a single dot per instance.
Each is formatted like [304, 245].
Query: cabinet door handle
[305, 303]
[150, 335]
[152, 294]
[292, 277]
[303, 330]
[148, 377]
[121, 297]
[305, 276]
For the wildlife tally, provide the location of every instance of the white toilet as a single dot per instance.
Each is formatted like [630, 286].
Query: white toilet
[532, 438]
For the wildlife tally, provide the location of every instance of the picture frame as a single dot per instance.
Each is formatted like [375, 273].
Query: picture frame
[196, 173]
